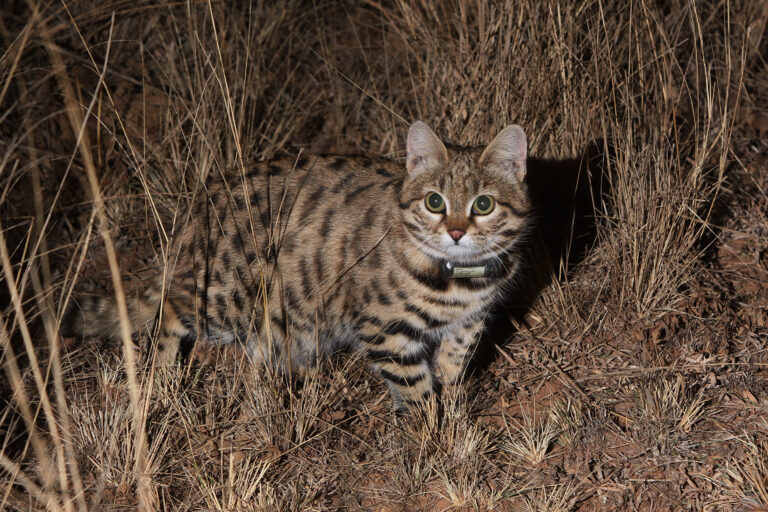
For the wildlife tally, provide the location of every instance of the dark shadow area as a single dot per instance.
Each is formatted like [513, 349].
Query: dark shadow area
[567, 197]
[719, 210]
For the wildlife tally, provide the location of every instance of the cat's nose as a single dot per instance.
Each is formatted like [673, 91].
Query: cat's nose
[456, 233]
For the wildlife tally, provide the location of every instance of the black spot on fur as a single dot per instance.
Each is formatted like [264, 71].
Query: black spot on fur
[266, 219]
[387, 184]
[221, 304]
[359, 190]
[311, 203]
[341, 185]
[432, 281]
[288, 245]
[291, 300]
[280, 322]
[327, 222]
[189, 287]
[306, 285]
[237, 300]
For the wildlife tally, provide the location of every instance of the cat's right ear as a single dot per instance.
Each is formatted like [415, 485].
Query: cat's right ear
[425, 150]
[508, 152]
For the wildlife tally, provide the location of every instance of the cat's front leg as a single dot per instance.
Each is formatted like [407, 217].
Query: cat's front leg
[454, 352]
[405, 364]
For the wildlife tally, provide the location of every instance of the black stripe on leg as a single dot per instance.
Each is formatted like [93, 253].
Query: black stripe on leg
[409, 330]
[423, 398]
[372, 339]
[387, 356]
[402, 381]
[186, 344]
[430, 321]
[373, 320]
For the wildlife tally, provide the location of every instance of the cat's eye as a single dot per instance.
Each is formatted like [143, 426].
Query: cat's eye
[483, 205]
[435, 202]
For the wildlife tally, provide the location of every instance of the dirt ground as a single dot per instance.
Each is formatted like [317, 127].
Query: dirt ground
[629, 371]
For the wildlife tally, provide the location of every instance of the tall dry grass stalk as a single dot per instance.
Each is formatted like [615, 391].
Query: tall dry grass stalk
[112, 115]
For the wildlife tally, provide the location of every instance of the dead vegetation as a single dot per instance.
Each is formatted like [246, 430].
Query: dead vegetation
[638, 380]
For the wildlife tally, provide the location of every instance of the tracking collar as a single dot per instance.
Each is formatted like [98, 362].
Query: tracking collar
[488, 268]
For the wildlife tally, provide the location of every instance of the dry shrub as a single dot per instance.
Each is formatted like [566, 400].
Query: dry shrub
[746, 480]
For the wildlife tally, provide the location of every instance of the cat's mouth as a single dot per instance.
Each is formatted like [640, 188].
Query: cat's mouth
[461, 252]
[465, 251]
[464, 248]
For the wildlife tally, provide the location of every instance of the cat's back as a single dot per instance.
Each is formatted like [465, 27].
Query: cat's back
[335, 190]
[324, 210]
[351, 175]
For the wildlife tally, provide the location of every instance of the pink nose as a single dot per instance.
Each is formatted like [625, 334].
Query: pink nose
[456, 233]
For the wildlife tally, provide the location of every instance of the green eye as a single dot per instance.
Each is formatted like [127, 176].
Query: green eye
[483, 205]
[435, 202]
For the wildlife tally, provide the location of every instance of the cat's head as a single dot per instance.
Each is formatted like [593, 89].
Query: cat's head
[461, 206]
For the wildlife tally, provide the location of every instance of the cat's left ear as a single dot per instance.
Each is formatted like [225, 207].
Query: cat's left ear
[425, 149]
[508, 152]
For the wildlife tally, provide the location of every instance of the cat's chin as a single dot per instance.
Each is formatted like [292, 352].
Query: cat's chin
[460, 253]
[455, 253]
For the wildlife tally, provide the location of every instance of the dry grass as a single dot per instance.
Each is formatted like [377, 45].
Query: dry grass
[639, 386]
